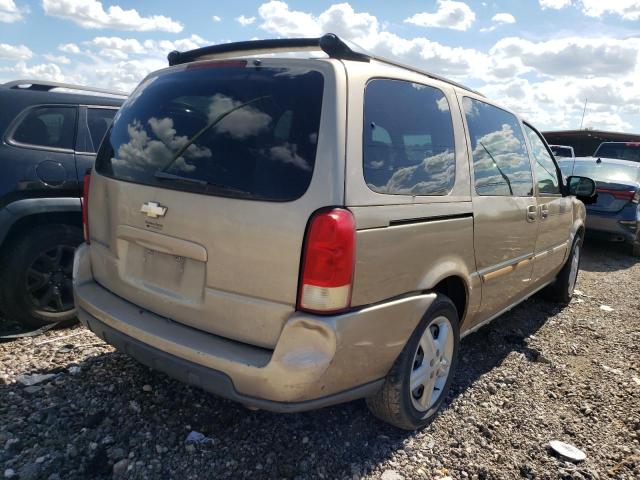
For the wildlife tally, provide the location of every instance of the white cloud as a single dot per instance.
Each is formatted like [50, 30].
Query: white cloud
[91, 14]
[244, 21]
[503, 18]
[627, 9]
[277, 18]
[9, 12]
[450, 14]
[69, 48]
[555, 4]
[365, 30]
[14, 52]
[43, 71]
[573, 56]
[56, 59]
[216, 18]
[605, 121]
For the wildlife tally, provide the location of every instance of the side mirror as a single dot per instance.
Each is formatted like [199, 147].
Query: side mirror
[582, 187]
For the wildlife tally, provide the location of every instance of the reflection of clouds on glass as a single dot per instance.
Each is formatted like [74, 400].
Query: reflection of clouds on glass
[141, 151]
[443, 105]
[501, 151]
[470, 108]
[242, 123]
[287, 153]
[432, 176]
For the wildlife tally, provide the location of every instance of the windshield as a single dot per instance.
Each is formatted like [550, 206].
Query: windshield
[561, 151]
[620, 151]
[219, 128]
[607, 172]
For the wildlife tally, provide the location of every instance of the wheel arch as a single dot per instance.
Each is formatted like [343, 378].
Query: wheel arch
[21, 215]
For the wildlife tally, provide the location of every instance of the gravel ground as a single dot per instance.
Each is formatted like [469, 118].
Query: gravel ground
[536, 374]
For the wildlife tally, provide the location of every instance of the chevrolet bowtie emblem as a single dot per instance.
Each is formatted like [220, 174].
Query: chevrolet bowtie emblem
[153, 210]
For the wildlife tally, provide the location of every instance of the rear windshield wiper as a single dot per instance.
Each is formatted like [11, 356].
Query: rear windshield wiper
[208, 186]
[203, 130]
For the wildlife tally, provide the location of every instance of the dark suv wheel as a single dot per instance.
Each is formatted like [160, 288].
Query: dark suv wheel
[36, 283]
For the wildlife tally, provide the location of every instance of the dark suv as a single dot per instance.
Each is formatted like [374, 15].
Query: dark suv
[50, 133]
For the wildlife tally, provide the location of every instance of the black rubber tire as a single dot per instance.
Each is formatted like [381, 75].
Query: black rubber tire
[559, 290]
[635, 249]
[392, 403]
[19, 255]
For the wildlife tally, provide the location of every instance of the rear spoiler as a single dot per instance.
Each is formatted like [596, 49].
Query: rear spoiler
[329, 44]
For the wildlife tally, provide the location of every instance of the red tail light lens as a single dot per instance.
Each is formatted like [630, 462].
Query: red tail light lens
[85, 206]
[628, 195]
[327, 262]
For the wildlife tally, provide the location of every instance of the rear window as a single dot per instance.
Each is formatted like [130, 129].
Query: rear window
[51, 127]
[561, 151]
[620, 151]
[215, 129]
[607, 172]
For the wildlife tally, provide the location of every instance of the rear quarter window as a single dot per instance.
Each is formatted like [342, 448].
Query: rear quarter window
[408, 140]
[233, 131]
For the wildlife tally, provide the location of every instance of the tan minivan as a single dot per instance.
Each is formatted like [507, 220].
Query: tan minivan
[292, 233]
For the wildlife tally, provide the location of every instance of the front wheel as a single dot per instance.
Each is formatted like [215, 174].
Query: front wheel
[418, 382]
[562, 289]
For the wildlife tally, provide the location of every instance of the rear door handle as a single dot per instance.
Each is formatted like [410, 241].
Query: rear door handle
[532, 213]
[544, 211]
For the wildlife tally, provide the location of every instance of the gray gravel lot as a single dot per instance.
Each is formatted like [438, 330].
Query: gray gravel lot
[536, 374]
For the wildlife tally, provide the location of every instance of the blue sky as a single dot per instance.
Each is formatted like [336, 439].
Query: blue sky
[541, 58]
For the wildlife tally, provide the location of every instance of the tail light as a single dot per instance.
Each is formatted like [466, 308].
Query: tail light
[628, 195]
[85, 206]
[327, 262]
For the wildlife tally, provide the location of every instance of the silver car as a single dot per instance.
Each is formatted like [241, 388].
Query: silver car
[292, 233]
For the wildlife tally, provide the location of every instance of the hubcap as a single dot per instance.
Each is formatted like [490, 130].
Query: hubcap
[49, 283]
[575, 263]
[431, 364]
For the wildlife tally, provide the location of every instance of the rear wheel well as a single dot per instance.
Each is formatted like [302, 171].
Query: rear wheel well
[28, 222]
[454, 288]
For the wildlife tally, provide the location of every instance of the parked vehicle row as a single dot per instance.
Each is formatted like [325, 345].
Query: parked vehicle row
[50, 133]
[615, 215]
[292, 233]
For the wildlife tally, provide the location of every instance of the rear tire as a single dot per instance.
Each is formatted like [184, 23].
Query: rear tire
[35, 284]
[428, 361]
[561, 290]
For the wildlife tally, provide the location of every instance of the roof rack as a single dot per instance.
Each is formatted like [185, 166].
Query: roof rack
[329, 43]
[46, 86]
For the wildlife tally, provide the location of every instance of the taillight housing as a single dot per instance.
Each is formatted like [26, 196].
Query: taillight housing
[328, 257]
[85, 206]
[628, 195]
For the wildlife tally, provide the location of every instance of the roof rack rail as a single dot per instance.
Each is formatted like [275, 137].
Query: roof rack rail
[45, 86]
[329, 43]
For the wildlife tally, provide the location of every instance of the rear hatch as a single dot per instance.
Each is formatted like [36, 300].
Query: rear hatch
[204, 185]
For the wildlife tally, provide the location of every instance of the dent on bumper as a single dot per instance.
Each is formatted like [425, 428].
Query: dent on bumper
[317, 360]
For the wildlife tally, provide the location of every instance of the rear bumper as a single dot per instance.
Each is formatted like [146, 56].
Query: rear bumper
[317, 360]
[609, 226]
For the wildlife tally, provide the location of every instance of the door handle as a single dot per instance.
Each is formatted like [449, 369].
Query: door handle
[532, 213]
[544, 211]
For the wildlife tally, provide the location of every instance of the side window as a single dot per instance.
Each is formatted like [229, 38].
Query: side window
[546, 173]
[98, 121]
[500, 161]
[53, 127]
[408, 141]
